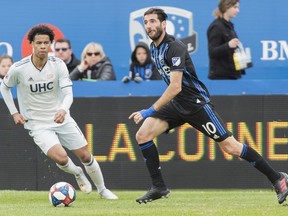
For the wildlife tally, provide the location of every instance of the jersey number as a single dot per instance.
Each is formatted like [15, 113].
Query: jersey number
[210, 128]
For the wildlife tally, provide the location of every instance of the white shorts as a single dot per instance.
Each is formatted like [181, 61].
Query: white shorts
[68, 135]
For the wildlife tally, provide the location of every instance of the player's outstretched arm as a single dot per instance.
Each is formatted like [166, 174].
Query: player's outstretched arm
[65, 106]
[8, 98]
[67, 98]
[172, 90]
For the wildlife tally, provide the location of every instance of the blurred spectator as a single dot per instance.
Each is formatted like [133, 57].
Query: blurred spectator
[63, 50]
[222, 41]
[5, 63]
[95, 65]
[142, 67]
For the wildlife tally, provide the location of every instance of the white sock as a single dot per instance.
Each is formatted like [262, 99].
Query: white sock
[95, 173]
[70, 167]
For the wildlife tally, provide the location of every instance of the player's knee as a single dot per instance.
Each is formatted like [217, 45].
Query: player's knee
[83, 154]
[58, 154]
[61, 160]
[142, 137]
[85, 158]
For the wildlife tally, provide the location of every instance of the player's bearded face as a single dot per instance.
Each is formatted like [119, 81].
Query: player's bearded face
[156, 33]
[153, 26]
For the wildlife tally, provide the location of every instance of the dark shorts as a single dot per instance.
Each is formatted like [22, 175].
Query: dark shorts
[206, 120]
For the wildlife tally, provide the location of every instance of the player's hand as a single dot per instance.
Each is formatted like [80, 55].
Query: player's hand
[18, 119]
[60, 116]
[143, 114]
[137, 117]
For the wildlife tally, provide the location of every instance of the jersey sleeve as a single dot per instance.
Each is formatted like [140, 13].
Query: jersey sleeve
[11, 78]
[64, 79]
[176, 56]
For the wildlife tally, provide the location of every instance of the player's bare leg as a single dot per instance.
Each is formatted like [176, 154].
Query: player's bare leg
[59, 155]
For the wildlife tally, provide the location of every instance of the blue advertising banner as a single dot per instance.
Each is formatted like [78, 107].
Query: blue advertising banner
[118, 26]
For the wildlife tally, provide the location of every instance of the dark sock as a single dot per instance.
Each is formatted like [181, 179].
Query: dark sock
[151, 158]
[259, 163]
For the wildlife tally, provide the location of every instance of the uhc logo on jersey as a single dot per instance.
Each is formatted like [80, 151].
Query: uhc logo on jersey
[179, 24]
[176, 61]
[41, 87]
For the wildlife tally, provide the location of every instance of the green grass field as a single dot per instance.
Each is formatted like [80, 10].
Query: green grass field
[181, 202]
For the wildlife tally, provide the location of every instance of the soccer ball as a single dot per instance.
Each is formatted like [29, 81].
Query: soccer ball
[62, 194]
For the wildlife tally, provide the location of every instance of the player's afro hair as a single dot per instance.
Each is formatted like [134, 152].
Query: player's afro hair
[40, 29]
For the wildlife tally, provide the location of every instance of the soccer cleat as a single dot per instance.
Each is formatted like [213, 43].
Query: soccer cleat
[107, 194]
[83, 183]
[154, 193]
[281, 187]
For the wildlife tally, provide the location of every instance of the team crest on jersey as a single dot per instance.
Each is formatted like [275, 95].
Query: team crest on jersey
[148, 73]
[50, 76]
[176, 61]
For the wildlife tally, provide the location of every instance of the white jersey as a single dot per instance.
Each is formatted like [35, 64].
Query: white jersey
[39, 92]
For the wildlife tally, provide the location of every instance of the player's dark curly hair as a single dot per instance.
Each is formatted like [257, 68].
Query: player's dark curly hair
[160, 13]
[40, 29]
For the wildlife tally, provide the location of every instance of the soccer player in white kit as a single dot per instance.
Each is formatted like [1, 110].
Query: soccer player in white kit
[44, 92]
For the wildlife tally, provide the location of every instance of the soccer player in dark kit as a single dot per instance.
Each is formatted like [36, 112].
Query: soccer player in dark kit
[185, 100]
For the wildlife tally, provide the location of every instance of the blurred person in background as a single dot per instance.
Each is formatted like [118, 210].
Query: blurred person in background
[5, 63]
[142, 67]
[95, 65]
[222, 41]
[63, 50]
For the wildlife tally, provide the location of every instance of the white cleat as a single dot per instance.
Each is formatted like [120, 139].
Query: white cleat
[83, 183]
[107, 194]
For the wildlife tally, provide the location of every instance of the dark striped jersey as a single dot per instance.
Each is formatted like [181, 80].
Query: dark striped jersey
[172, 56]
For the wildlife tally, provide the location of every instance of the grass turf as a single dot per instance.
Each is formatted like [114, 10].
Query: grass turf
[181, 202]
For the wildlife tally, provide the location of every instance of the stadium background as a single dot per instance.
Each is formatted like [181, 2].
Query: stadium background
[255, 108]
